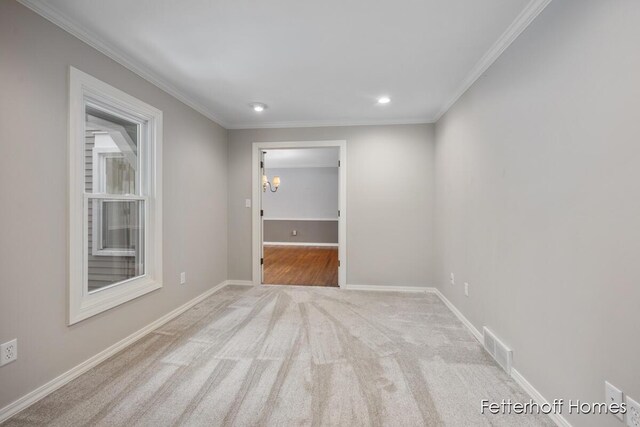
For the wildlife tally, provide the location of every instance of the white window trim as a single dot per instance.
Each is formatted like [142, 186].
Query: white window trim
[83, 304]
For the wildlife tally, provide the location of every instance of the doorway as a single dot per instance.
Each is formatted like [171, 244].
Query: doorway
[299, 213]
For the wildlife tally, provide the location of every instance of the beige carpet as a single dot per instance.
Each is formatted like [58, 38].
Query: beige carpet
[252, 356]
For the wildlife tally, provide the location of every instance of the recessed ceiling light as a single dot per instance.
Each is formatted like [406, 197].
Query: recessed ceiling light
[258, 107]
[384, 100]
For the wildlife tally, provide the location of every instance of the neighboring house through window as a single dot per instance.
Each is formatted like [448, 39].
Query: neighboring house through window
[114, 230]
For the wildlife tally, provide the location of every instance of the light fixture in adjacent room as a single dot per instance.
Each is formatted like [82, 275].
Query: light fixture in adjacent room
[384, 100]
[274, 184]
[258, 107]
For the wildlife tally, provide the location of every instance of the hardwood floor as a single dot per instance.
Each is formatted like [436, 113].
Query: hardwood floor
[301, 265]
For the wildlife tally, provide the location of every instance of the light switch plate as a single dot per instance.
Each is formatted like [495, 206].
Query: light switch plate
[613, 395]
[247, 203]
[452, 279]
[183, 278]
[466, 289]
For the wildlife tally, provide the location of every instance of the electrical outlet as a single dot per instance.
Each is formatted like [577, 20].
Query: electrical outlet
[613, 396]
[294, 233]
[466, 289]
[247, 203]
[452, 279]
[183, 278]
[9, 351]
[633, 413]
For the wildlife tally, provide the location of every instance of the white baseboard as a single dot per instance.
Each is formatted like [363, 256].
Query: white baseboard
[240, 282]
[517, 377]
[332, 245]
[474, 331]
[387, 288]
[73, 373]
[538, 398]
[301, 219]
[48, 388]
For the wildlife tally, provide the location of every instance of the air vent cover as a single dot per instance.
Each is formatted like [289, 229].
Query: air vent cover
[498, 350]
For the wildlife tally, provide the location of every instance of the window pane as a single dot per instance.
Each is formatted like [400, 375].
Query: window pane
[120, 177]
[111, 153]
[117, 220]
[115, 242]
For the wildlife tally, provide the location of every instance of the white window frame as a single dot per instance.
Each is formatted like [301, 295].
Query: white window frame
[82, 303]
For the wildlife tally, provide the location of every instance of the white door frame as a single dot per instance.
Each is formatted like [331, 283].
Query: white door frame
[256, 189]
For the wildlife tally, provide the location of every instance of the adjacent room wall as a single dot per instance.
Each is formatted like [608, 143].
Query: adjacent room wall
[35, 56]
[389, 200]
[312, 232]
[538, 201]
[305, 193]
[307, 202]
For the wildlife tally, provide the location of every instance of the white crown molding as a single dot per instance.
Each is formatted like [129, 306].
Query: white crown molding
[46, 11]
[522, 21]
[326, 123]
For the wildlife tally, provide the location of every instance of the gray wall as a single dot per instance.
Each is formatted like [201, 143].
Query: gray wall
[389, 200]
[307, 231]
[304, 193]
[34, 60]
[538, 207]
[309, 192]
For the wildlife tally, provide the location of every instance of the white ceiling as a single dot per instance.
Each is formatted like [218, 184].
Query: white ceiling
[302, 158]
[312, 62]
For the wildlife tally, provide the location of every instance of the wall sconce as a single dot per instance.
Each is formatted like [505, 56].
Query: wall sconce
[273, 186]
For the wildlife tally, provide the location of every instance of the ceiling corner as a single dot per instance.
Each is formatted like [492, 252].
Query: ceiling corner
[46, 11]
[522, 21]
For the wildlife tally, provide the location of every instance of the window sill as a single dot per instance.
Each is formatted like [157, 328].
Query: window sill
[90, 304]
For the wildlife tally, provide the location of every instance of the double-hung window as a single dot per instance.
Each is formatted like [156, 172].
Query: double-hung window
[115, 197]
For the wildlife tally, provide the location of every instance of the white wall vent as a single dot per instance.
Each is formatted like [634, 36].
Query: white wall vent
[498, 350]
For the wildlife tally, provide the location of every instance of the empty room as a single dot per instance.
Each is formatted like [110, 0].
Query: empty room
[336, 213]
